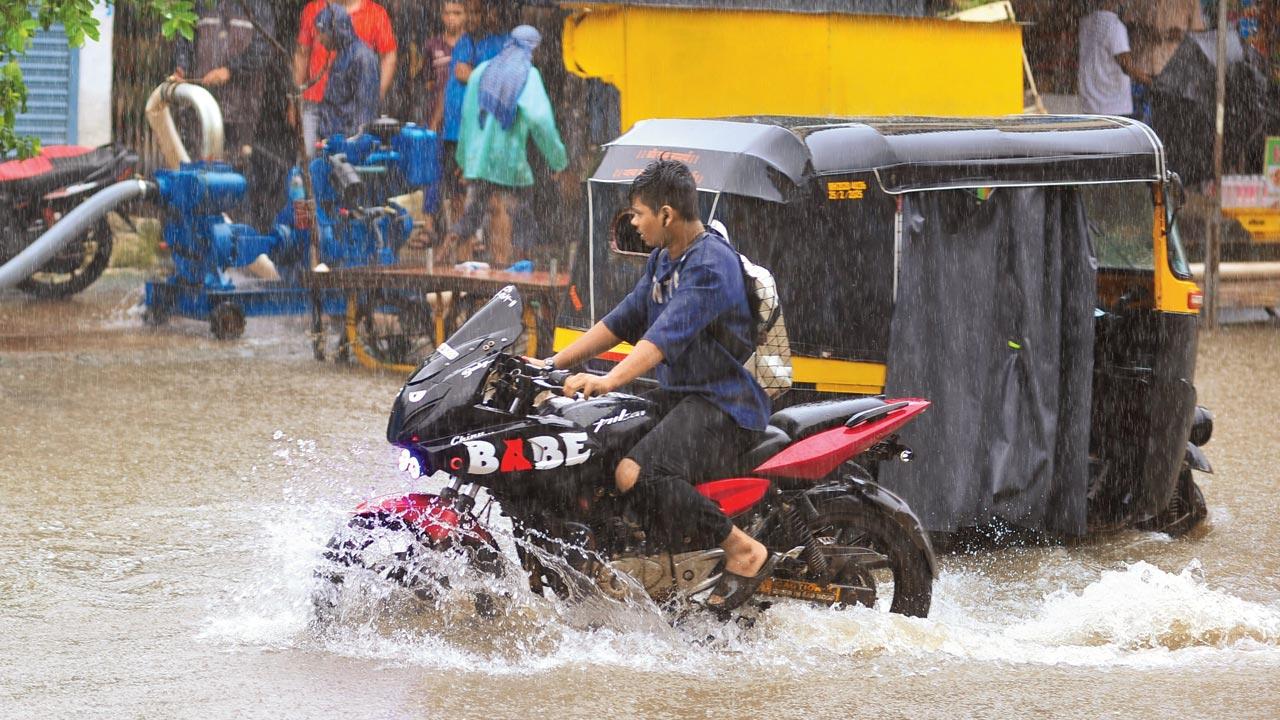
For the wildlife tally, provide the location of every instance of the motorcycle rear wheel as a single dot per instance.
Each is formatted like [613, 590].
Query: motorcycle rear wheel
[885, 552]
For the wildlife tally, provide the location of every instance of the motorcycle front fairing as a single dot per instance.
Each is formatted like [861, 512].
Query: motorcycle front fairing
[438, 398]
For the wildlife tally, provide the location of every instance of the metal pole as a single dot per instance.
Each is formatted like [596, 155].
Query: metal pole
[1214, 249]
[304, 167]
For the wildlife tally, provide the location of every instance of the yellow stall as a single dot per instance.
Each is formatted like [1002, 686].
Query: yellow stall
[685, 59]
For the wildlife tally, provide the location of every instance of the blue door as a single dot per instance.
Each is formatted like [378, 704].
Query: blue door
[50, 68]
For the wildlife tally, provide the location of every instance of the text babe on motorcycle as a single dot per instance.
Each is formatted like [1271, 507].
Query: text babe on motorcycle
[712, 408]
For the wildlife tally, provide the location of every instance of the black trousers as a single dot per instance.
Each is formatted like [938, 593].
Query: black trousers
[694, 442]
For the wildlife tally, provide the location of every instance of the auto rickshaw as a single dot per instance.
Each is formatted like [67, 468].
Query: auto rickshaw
[1023, 273]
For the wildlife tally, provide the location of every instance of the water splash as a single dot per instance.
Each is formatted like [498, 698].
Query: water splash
[1049, 607]
[1142, 607]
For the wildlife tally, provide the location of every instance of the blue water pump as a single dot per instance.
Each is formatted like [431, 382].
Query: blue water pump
[353, 179]
[357, 224]
[204, 244]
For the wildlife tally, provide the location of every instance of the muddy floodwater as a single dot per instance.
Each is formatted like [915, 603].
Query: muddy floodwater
[165, 499]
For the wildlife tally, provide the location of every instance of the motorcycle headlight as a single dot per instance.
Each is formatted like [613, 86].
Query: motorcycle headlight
[410, 463]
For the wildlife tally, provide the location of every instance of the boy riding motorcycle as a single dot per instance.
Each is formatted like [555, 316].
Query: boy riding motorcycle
[712, 408]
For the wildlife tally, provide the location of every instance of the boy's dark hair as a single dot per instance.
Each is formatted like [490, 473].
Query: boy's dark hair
[667, 182]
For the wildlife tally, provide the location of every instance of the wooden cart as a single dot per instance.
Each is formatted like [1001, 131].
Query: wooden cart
[441, 289]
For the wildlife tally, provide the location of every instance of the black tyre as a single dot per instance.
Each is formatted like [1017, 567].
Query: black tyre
[395, 329]
[383, 544]
[75, 267]
[392, 548]
[1186, 510]
[155, 315]
[871, 556]
[226, 321]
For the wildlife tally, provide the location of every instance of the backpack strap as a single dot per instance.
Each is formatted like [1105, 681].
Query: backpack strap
[719, 332]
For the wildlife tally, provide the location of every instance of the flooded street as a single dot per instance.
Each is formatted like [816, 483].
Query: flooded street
[165, 499]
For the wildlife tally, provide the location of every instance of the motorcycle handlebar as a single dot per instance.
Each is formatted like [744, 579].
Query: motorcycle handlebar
[553, 379]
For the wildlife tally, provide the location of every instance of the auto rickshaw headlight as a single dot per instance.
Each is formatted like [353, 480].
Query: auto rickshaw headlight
[1201, 426]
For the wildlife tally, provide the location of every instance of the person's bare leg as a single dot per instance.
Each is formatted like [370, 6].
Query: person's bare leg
[626, 475]
[743, 554]
[500, 232]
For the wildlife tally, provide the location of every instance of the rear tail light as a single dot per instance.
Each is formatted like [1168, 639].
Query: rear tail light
[1195, 299]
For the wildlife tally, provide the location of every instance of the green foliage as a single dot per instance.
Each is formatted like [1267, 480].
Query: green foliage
[19, 21]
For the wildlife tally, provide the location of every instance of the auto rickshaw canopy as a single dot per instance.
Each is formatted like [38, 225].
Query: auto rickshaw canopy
[770, 157]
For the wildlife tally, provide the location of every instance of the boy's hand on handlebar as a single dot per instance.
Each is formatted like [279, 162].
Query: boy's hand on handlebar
[588, 384]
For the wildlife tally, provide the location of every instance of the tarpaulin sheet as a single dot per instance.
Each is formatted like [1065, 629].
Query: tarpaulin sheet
[1184, 105]
[993, 322]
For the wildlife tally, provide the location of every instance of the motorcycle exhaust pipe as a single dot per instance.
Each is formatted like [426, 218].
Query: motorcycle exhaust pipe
[70, 227]
[160, 119]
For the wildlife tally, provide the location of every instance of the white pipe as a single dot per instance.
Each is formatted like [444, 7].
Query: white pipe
[70, 227]
[161, 121]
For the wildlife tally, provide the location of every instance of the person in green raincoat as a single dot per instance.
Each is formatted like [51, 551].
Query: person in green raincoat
[505, 104]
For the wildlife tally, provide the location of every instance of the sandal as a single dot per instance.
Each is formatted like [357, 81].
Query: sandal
[733, 590]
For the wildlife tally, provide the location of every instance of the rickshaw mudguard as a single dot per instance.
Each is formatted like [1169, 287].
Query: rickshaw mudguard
[875, 496]
[1172, 410]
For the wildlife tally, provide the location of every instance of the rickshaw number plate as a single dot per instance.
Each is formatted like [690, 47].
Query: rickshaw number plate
[846, 189]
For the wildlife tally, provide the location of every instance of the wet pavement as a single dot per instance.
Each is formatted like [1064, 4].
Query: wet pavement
[165, 499]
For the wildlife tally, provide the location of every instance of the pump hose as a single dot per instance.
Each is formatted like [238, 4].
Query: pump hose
[70, 227]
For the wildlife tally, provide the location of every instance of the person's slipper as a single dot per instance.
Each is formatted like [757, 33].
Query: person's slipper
[732, 590]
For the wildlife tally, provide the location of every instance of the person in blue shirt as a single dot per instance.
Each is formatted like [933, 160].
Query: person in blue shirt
[351, 94]
[713, 410]
[486, 36]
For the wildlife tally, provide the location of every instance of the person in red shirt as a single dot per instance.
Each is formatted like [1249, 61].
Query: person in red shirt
[311, 59]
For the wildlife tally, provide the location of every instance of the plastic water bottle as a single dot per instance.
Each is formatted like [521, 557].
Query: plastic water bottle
[296, 190]
[298, 198]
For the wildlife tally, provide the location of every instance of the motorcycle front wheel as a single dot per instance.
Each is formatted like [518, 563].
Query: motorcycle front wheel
[871, 557]
[392, 548]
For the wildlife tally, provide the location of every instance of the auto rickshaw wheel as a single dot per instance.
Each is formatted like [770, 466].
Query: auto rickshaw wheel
[1186, 509]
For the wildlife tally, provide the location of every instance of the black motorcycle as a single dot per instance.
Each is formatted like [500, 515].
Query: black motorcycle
[488, 418]
[36, 193]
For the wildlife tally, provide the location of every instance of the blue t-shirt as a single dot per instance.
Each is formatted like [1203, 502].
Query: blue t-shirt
[674, 306]
[471, 51]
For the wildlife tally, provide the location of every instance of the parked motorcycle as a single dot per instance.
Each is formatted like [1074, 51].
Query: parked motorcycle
[491, 419]
[36, 193]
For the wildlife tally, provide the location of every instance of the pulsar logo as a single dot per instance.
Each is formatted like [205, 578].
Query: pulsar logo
[470, 370]
[620, 417]
[542, 452]
[505, 295]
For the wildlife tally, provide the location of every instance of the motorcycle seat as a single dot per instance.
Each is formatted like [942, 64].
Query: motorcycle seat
[770, 444]
[800, 421]
[56, 166]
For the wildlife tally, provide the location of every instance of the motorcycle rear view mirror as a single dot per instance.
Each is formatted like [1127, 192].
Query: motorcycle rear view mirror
[624, 239]
[1175, 193]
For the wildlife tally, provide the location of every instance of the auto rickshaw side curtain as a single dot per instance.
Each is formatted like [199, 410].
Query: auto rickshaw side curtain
[993, 323]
